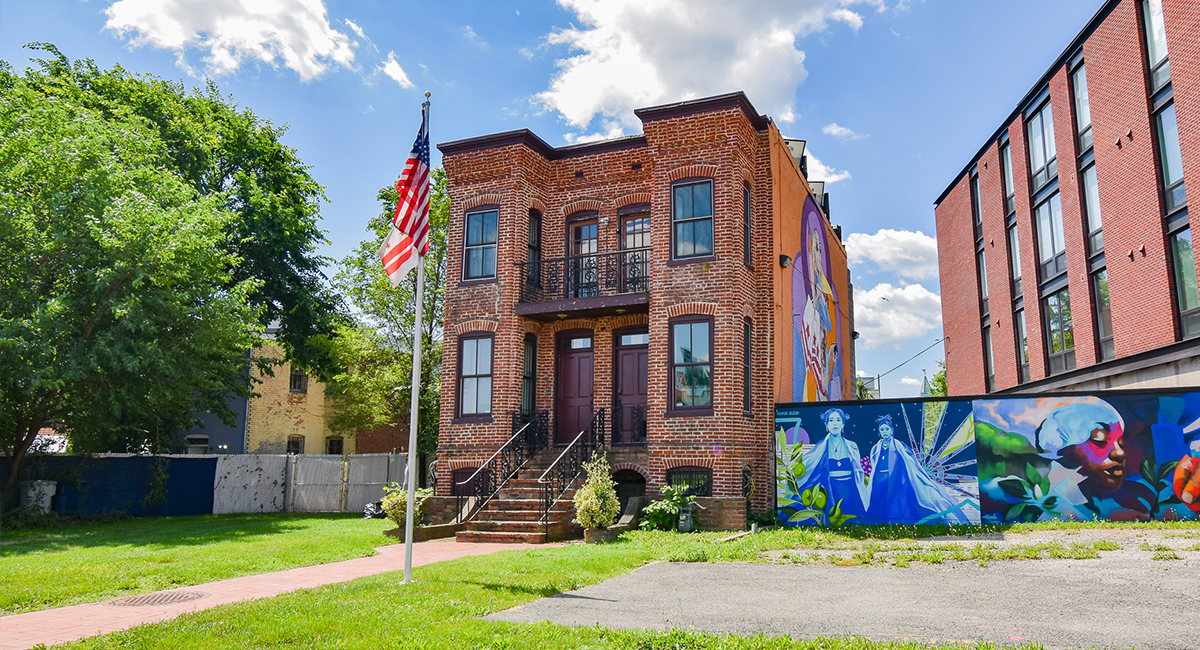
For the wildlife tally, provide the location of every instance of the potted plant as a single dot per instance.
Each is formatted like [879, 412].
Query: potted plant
[596, 503]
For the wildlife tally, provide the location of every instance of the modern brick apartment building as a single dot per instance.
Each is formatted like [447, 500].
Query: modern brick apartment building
[1066, 243]
[635, 294]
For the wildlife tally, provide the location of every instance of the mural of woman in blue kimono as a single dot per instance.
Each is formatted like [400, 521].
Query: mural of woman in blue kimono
[901, 491]
[835, 464]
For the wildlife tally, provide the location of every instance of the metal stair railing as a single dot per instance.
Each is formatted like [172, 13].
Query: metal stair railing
[561, 474]
[531, 436]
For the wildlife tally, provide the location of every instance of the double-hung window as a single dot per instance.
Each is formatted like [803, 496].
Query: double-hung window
[1060, 332]
[1183, 262]
[691, 364]
[1170, 157]
[1083, 108]
[475, 375]
[1010, 194]
[1022, 346]
[479, 256]
[976, 206]
[1052, 251]
[1091, 206]
[1103, 315]
[692, 219]
[989, 365]
[1043, 154]
[1014, 260]
[533, 271]
[981, 268]
[1156, 44]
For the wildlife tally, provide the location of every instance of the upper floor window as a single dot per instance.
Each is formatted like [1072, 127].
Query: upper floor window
[1091, 206]
[1022, 346]
[1156, 44]
[1010, 193]
[1183, 261]
[691, 363]
[1043, 154]
[976, 206]
[692, 219]
[533, 270]
[989, 365]
[1060, 332]
[1083, 108]
[746, 365]
[747, 255]
[981, 266]
[475, 374]
[1103, 315]
[1052, 249]
[1014, 260]
[1170, 158]
[479, 257]
[298, 382]
[529, 376]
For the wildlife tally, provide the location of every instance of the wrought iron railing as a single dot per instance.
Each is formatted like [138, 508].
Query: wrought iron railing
[635, 415]
[586, 276]
[531, 434]
[557, 479]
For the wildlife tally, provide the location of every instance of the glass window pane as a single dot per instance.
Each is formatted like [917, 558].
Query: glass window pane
[682, 342]
[976, 208]
[700, 381]
[469, 356]
[470, 390]
[683, 201]
[1014, 253]
[1168, 146]
[1103, 306]
[1037, 150]
[1185, 270]
[485, 395]
[700, 351]
[474, 262]
[474, 229]
[483, 365]
[489, 262]
[685, 245]
[1092, 199]
[682, 394]
[1083, 109]
[702, 200]
[1056, 223]
[489, 227]
[981, 264]
[1156, 31]
[1048, 130]
[1022, 341]
[530, 358]
[1045, 241]
[1064, 310]
[704, 237]
[1006, 165]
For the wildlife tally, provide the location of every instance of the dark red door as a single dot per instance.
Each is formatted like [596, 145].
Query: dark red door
[631, 386]
[573, 410]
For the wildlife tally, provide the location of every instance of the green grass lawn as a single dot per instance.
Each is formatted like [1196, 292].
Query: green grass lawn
[42, 568]
[443, 608]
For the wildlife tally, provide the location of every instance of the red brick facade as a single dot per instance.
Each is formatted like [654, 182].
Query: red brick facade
[1136, 226]
[721, 139]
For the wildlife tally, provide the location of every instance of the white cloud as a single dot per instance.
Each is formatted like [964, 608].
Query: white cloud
[908, 254]
[818, 171]
[627, 54]
[910, 381]
[357, 30]
[525, 52]
[295, 33]
[838, 131]
[392, 69]
[469, 33]
[887, 316]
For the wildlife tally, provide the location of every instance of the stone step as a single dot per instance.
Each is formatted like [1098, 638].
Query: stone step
[518, 493]
[499, 537]
[487, 514]
[524, 504]
[507, 526]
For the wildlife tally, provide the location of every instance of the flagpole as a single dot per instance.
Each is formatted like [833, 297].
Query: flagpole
[416, 395]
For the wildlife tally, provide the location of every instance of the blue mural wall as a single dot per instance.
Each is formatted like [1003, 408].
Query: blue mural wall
[1127, 456]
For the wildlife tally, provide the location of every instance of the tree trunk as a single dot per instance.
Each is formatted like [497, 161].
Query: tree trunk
[9, 495]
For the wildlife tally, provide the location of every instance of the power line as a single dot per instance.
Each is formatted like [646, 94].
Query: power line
[912, 357]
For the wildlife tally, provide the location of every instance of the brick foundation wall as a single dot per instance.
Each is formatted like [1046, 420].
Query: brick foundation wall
[720, 514]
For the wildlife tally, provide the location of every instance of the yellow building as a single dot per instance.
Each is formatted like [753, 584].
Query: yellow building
[289, 415]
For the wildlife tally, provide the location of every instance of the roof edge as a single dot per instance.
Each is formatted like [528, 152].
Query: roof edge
[715, 103]
[531, 140]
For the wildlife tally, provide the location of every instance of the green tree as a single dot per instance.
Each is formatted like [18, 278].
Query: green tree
[937, 385]
[374, 350]
[237, 158]
[862, 390]
[122, 311]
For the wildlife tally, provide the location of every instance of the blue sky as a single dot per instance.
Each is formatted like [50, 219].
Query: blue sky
[893, 96]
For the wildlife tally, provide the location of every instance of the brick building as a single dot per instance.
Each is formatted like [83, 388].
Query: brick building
[646, 283]
[1066, 244]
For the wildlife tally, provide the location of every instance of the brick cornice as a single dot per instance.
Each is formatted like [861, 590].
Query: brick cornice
[692, 171]
[476, 325]
[692, 308]
[488, 198]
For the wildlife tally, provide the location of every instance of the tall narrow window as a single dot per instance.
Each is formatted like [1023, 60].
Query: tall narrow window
[976, 207]
[691, 363]
[1060, 332]
[746, 226]
[746, 366]
[534, 270]
[1103, 315]
[981, 265]
[480, 254]
[529, 376]
[635, 259]
[1156, 44]
[334, 445]
[1014, 260]
[475, 375]
[295, 444]
[1170, 158]
[1043, 154]
[1022, 346]
[1091, 205]
[1052, 255]
[989, 365]
[1010, 193]
[692, 220]
[1184, 263]
[298, 382]
[1083, 108]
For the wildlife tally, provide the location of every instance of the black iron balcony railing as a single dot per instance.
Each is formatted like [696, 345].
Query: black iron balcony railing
[586, 276]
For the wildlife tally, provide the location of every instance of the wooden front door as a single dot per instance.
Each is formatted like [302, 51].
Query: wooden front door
[632, 376]
[573, 403]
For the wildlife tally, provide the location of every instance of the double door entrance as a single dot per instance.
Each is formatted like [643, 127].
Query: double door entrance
[575, 382]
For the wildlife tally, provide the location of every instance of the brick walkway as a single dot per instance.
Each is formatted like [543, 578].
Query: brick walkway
[21, 631]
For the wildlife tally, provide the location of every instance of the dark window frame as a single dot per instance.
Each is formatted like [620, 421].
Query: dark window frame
[1171, 205]
[1015, 268]
[1057, 264]
[1094, 236]
[747, 368]
[295, 444]
[1183, 316]
[689, 474]
[1067, 354]
[1083, 137]
[1021, 332]
[698, 410]
[1041, 176]
[1006, 178]
[711, 218]
[989, 360]
[529, 375]
[335, 441]
[747, 226]
[981, 275]
[1105, 346]
[1158, 72]
[460, 417]
[466, 248]
[976, 207]
[533, 275]
[298, 381]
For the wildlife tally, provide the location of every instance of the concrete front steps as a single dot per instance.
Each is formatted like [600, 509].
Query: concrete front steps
[513, 515]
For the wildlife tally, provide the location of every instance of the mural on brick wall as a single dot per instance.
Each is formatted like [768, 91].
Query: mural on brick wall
[1116, 456]
[870, 463]
[816, 322]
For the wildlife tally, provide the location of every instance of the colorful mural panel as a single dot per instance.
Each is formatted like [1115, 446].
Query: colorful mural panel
[1116, 456]
[816, 321]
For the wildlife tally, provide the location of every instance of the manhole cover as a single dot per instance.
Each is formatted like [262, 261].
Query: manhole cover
[160, 598]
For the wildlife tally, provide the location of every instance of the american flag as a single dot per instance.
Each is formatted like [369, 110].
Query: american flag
[409, 236]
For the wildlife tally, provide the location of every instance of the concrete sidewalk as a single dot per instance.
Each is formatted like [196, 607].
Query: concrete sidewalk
[21, 631]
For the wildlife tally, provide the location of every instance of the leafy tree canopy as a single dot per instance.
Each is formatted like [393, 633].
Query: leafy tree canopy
[937, 385]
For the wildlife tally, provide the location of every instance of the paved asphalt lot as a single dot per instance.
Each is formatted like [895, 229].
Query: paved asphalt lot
[1059, 603]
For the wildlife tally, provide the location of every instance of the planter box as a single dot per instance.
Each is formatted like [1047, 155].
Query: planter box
[600, 535]
[426, 533]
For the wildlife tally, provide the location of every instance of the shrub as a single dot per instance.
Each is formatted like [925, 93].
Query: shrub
[395, 503]
[664, 513]
[596, 503]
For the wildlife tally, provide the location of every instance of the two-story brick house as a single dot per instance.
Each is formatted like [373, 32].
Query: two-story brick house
[638, 293]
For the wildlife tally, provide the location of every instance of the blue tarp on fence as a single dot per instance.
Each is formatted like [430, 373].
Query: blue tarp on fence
[92, 486]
